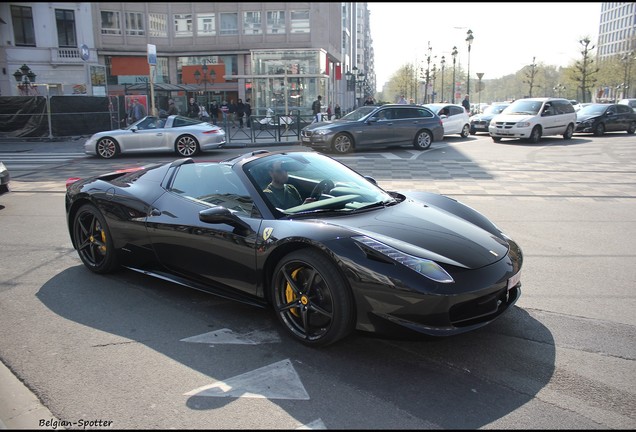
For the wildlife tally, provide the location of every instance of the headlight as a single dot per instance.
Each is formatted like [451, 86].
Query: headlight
[427, 268]
[523, 124]
[322, 132]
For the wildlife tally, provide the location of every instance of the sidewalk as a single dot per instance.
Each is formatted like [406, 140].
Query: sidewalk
[19, 408]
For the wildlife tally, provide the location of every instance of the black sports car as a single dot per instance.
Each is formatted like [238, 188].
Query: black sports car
[324, 246]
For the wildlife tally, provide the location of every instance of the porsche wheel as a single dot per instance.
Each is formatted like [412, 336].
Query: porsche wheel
[107, 148]
[342, 143]
[311, 299]
[93, 241]
[187, 146]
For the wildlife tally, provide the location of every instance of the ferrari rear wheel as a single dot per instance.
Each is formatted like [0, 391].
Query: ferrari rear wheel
[187, 146]
[93, 240]
[107, 148]
[311, 299]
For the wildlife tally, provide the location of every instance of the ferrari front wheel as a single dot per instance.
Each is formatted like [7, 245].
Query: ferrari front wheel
[93, 240]
[311, 298]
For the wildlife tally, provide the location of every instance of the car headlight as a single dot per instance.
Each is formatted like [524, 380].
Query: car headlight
[322, 132]
[523, 124]
[427, 268]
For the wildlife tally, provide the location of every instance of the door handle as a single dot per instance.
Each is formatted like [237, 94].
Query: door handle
[155, 212]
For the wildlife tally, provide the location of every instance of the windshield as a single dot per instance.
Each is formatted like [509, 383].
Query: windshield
[359, 113]
[495, 109]
[522, 106]
[344, 190]
[592, 110]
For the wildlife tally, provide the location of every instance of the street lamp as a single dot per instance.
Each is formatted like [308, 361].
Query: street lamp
[428, 71]
[454, 54]
[627, 59]
[434, 77]
[25, 78]
[352, 84]
[558, 89]
[202, 77]
[480, 76]
[469, 42]
[442, 62]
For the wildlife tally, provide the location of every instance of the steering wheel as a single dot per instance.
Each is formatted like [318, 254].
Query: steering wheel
[322, 187]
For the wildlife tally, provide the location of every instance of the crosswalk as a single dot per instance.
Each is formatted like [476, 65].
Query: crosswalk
[20, 161]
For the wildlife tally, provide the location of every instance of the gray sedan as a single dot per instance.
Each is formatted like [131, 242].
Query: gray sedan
[185, 136]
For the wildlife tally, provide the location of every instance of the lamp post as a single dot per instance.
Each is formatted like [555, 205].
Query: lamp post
[202, 77]
[627, 59]
[469, 42]
[442, 62]
[362, 77]
[434, 77]
[351, 78]
[454, 54]
[558, 89]
[25, 78]
[428, 71]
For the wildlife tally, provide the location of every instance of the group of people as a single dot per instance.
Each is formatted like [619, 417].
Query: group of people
[316, 109]
[232, 111]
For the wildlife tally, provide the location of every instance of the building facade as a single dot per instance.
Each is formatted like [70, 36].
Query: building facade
[279, 55]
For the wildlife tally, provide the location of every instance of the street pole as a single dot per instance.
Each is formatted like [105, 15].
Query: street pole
[454, 54]
[469, 41]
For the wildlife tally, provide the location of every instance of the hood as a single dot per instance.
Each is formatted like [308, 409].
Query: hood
[514, 118]
[428, 232]
[325, 125]
[584, 117]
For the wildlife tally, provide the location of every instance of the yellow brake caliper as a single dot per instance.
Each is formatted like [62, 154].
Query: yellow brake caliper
[290, 295]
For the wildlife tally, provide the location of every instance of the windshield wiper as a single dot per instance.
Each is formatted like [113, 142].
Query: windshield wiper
[376, 204]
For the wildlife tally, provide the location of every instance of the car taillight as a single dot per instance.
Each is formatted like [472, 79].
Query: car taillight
[71, 180]
[213, 131]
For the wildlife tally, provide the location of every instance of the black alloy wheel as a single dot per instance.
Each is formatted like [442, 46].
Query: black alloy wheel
[311, 299]
[93, 241]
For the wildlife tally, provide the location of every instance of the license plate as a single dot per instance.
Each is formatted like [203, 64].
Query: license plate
[514, 280]
[305, 139]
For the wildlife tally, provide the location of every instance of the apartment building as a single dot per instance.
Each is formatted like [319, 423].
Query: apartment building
[279, 55]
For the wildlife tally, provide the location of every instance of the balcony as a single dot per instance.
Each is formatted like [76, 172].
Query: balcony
[66, 56]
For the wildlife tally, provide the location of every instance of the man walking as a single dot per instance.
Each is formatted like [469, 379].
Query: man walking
[316, 107]
[466, 104]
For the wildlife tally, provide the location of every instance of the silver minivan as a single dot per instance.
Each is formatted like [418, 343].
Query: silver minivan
[532, 118]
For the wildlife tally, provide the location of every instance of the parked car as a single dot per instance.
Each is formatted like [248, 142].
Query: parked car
[480, 122]
[600, 118]
[532, 118]
[454, 118]
[353, 257]
[630, 102]
[575, 104]
[5, 178]
[375, 126]
[177, 134]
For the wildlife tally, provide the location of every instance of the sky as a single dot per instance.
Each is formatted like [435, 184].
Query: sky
[506, 35]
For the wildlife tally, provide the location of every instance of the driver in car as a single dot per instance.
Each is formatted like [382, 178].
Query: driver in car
[282, 194]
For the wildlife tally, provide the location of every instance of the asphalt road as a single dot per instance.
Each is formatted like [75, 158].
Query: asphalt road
[142, 353]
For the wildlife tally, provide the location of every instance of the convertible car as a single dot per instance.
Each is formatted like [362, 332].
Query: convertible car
[348, 255]
[181, 135]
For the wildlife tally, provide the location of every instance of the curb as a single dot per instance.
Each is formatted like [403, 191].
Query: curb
[19, 407]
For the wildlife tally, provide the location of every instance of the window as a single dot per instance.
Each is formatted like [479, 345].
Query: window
[183, 25]
[135, 24]
[110, 22]
[252, 23]
[229, 24]
[158, 25]
[206, 24]
[65, 20]
[275, 22]
[23, 30]
[299, 21]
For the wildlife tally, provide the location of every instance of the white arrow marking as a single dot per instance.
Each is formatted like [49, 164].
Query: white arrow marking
[227, 336]
[316, 424]
[276, 381]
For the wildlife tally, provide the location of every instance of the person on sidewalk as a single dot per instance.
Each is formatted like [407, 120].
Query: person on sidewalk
[316, 107]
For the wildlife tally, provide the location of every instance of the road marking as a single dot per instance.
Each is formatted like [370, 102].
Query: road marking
[276, 381]
[227, 336]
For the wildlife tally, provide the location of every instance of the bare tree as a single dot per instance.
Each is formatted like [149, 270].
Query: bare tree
[584, 72]
[531, 72]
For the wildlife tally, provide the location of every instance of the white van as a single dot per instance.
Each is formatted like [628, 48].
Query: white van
[532, 118]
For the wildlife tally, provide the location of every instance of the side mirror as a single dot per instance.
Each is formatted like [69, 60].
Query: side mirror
[134, 129]
[221, 215]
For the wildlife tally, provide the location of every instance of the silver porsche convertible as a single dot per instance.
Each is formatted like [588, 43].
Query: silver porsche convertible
[182, 135]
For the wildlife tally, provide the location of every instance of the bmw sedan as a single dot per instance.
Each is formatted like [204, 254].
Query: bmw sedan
[181, 135]
[480, 122]
[375, 126]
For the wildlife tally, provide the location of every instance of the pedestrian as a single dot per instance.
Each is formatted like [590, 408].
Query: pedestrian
[329, 113]
[240, 111]
[225, 109]
[316, 107]
[138, 111]
[193, 109]
[466, 104]
[402, 101]
[369, 101]
[214, 112]
[172, 108]
[248, 112]
[203, 114]
[337, 111]
[232, 111]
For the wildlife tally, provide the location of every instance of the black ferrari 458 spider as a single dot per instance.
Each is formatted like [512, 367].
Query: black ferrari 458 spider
[326, 248]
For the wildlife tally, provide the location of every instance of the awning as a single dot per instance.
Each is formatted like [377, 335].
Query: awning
[164, 87]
